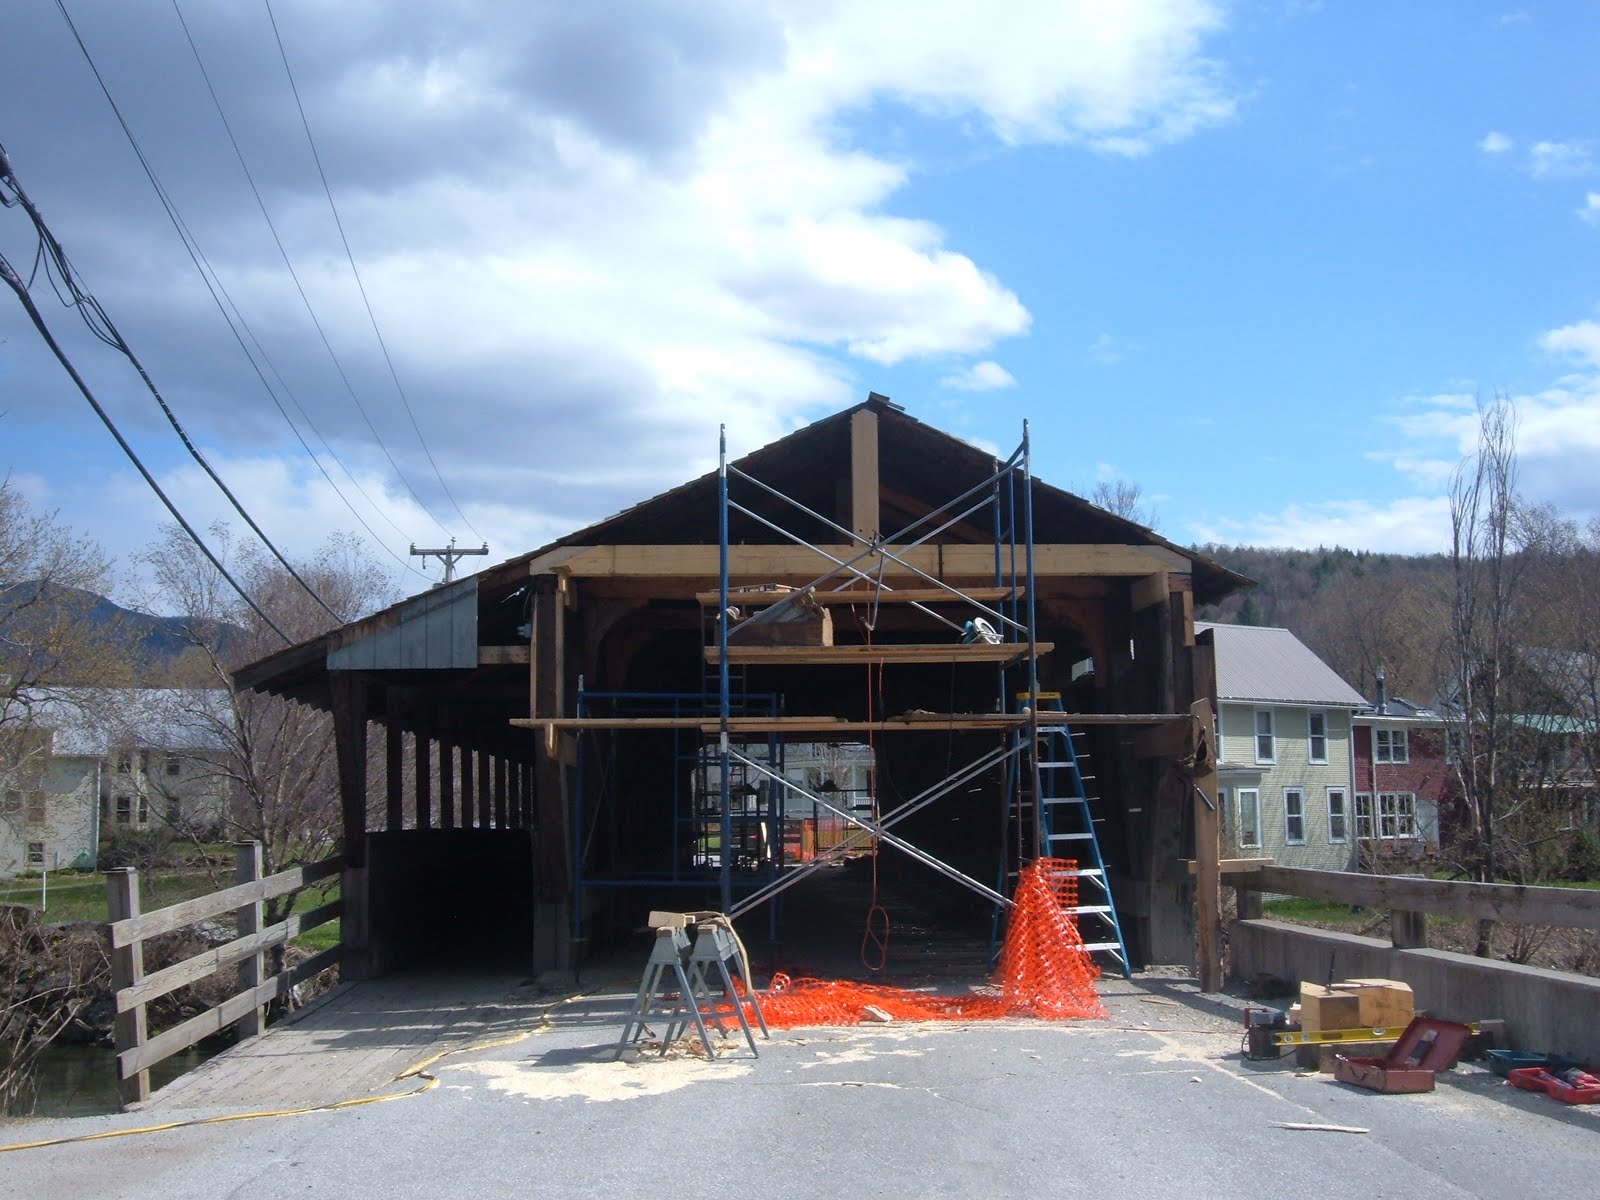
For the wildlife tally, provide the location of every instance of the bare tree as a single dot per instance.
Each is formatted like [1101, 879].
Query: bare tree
[275, 758]
[1124, 498]
[1502, 698]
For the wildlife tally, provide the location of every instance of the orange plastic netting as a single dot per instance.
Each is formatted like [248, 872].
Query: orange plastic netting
[1044, 971]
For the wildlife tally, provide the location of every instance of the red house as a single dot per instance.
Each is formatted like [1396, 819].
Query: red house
[1402, 777]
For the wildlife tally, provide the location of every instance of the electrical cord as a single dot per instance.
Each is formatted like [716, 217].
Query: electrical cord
[416, 1071]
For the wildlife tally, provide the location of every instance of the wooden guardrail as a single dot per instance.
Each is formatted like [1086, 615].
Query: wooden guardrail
[137, 1050]
[1410, 899]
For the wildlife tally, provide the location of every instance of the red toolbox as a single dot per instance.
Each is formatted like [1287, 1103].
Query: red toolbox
[1569, 1087]
[1427, 1047]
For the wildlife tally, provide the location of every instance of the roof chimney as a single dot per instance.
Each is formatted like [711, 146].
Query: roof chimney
[1383, 692]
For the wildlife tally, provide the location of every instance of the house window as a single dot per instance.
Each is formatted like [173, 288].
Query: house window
[144, 762]
[174, 765]
[124, 810]
[1265, 750]
[1224, 816]
[144, 810]
[1294, 817]
[124, 763]
[36, 808]
[12, 803]
[174, 811]
[1390, 746]
[1317, 735]
[1364, 824]
[1397, 815]
[1249, 818]
[36, 854]
[1338, 829]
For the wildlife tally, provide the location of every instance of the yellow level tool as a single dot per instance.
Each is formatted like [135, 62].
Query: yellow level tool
[1322, 1037]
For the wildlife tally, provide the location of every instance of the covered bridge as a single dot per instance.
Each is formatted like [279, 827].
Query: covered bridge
[532, 757]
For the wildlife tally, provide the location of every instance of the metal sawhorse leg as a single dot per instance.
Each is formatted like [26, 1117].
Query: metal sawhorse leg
[714, 949]
[665, 968]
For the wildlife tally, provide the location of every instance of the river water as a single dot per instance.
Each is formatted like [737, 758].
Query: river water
[81, 1081]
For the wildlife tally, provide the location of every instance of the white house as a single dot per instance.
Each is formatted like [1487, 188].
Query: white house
[1284, 748]
[97, 760]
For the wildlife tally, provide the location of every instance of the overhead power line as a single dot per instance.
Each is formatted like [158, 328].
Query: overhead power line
[349, 257]
[100, 322]
[214, 286]
[15, 281]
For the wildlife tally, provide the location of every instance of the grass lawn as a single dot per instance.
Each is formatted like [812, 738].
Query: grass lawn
[77, 896]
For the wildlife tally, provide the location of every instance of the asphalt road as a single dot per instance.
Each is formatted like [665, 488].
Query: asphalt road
[1154, 1102]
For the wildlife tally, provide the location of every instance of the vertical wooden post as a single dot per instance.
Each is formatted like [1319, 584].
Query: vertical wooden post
[127, 969]
[1247, 903]
[349, 690]
[424, 781]
[394, 768]
[500, 791]
[485, 787]
[249, 918]
[447, 782]
[1407, 930]
[467, 790]
[1207, 818]
[864, 490]
[543, 782]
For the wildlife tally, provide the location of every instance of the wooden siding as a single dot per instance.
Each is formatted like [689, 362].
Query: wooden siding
[437, 630]
[1293, 768]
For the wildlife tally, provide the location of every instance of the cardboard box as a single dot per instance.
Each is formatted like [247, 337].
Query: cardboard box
[1384, 1003]
[1427, 1047]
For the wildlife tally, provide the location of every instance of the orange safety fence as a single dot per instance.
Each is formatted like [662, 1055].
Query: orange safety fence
[1044, 971]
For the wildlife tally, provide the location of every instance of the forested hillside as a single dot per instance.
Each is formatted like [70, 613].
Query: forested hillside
[1358, 610]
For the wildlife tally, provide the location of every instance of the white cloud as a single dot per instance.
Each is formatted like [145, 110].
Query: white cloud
[1561, 160]
[588, 236]
[1107, 350]
[1495, 143]
[1580, 340]
[1410, 525]
[1590, 211]
[985, 376]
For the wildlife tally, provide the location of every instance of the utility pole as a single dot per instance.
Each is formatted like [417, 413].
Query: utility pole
[449, 556]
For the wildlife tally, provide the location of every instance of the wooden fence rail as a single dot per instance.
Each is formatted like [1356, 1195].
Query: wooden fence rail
[1410, 899]
[137, 1050]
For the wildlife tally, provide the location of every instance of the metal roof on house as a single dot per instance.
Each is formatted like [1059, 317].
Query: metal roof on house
[93, 722]
[1261, 663]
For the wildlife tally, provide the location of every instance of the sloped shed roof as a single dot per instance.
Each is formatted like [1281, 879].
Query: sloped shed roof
[1268, 664]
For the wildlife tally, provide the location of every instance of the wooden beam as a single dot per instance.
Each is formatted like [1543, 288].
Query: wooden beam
[1152, 589]
[952, 652]
[1570, 908]
[864, 516]
[870, 595]
[802, 564]
[504, 656]
[1163, 741]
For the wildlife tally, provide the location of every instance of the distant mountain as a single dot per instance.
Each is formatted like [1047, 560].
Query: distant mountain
[151, 644]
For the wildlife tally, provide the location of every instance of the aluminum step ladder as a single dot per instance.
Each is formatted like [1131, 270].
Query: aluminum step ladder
[1067, 824]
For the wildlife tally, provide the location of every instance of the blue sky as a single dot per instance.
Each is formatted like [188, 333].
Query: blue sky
[1259, 258]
